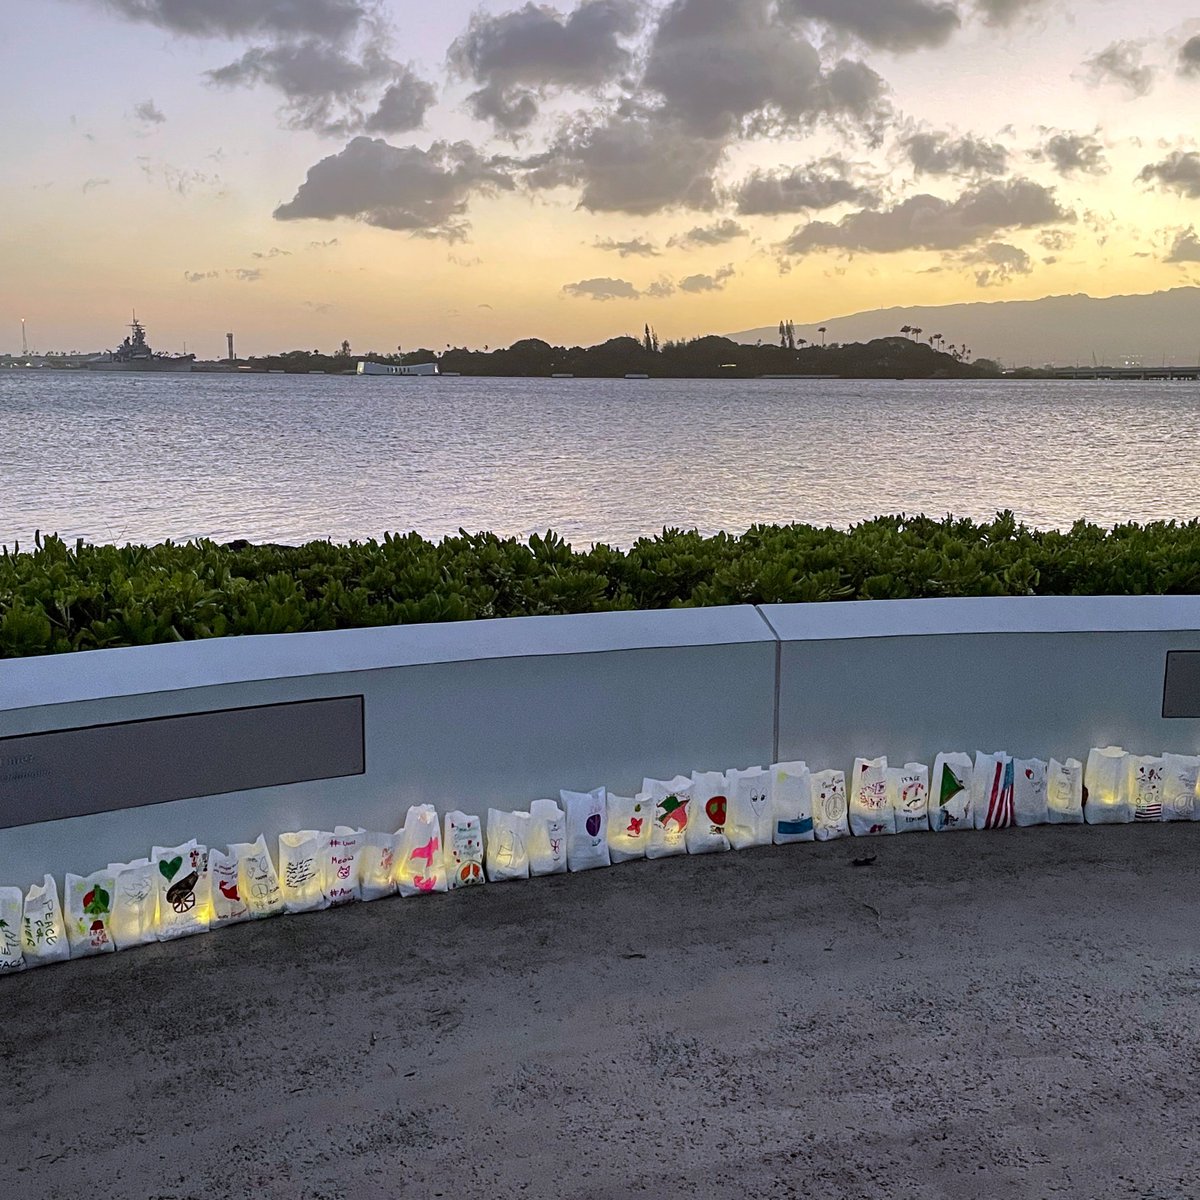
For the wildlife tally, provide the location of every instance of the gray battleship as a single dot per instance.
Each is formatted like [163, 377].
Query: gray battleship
[133, 354]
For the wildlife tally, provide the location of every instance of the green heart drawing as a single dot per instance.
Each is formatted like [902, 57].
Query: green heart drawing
[170, 867]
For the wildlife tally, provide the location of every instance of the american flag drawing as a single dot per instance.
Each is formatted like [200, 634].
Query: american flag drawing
[1147, 798]
[1000, 796]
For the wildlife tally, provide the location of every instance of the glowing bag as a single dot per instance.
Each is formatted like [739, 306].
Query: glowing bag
[88, 909]
[228, 905]
[749, 821]
[1106, 787]
[950, 793]
[301, 876]
[1029, 791]
[1145, 784]
[587, 829]
[135, 903]
[420, 865]
[870, 812]
[507, 857]
[628, 827]
[1064, 792]
[376, 857]
[11, 905]
[463, 843]
[705, 832]
[340, 865]
[258, 884]
[908, 797]
[43, 930]
[791, 803]
[1179, 790]
[830, 815]
[184, 890]
[546, 839]
[992, 791]
[670, 802]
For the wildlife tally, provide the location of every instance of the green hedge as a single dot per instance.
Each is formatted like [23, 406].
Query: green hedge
[60, 597]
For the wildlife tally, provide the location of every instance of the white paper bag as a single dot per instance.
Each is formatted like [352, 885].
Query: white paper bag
[950, 793]
[135, 903]
[88, 909]
[1029, 791]
[340, 866]
[301, 875]
[43, 930]
[420, 863]
[1179, 790]
[670, 802]
[870, 812]
[463, 842]
[992, 790]
[1064, 792]
[229, 906]
[628, 827]
[258, 884]
[830, 813]
[749, 820]
[507, 854]
[1106, 787]
[791, 803]
[547, 840]
[705, 832]
[11, 906]
[587, 829]
[908, 797]
[1145, 787]
[184, 890]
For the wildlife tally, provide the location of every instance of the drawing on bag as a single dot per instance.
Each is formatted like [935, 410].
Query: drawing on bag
[877, 829]
[1000, 812]
[169, 867]
[97, 934]
[831, 803]
[592, 825]
[467, 843]
[715, 810]
[951, 787]
[556, 845]
[509, 849]
[874, 794]
[634, 829]
[298, 872]
[794, 828]
[426, 852]
[912, 795]
[424, 883]
[96, 902]
[1147, 799]
[757, 800]
[181, 896]
[673, 810]
[228, 890]
[470, 872]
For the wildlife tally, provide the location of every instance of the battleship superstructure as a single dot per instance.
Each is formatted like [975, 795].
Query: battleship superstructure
[133, 354]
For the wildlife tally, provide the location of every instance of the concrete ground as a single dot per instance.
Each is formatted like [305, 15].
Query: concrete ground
[993, 1015]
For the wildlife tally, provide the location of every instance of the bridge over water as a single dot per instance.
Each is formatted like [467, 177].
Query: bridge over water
[1171, 372]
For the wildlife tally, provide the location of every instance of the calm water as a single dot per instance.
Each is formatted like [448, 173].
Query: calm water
[278, 458]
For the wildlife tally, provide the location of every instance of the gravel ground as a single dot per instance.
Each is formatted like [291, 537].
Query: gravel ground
[993, 1015]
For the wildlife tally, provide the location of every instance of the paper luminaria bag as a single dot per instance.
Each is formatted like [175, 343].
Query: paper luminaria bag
[1144, 786]
[670, 803]
[301, 879]
[507, 855]
[628, 827]
[1064, 792]
[830, 813]
[88, 901]
[870, 812]
[546, 838]
[1181, 782]
[341, 853]
[791, 803]
[992, 791]
[908, 796]
[587, 829]
[1106, 787]
[43, 930]
[135, 903]
[463, 843]
[184, 895]
[229, 905]
[420, 867]
[258, 882]
[377, 865]
[12, 957]
[750, 821]
[705, 831]
[950, 793]
[1029, 791]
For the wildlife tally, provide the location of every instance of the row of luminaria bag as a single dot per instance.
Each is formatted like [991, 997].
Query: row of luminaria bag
[189, 889]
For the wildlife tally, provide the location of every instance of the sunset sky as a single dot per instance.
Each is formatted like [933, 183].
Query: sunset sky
[302, 171]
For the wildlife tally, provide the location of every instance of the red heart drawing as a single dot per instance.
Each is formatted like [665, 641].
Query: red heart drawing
[715, 810]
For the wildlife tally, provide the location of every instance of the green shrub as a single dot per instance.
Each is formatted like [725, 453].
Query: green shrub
[59, 597]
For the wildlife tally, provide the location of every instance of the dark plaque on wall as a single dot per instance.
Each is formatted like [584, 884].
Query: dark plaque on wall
[102, 768]
[1181, 688]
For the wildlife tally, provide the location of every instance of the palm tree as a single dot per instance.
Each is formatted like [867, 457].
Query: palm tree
[936, 337]
[821, 331]
[916, 332]
[906, 329]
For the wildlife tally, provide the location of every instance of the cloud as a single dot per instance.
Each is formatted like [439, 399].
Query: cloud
[1178, 172]
[247, 274]
[1055, 239]
[998, 263]
[318, 306]
[816, 185]
[941, 154]
[274, 252]
[635, 163]
[1120, 63]
[326, 88]
[632, 247]
[200, 276]
[1185, 248]
[926, 222]
[897, 25]
[325, 245]
[723, 66]
[1189, 58]
[240, 18]
[403, 188]
[90, 185]
[1005, 12]
[1071, 153]
[149, 112]
[660, 289]
[603, 288]
[519, 55]
[707, 283]
[716, 234]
